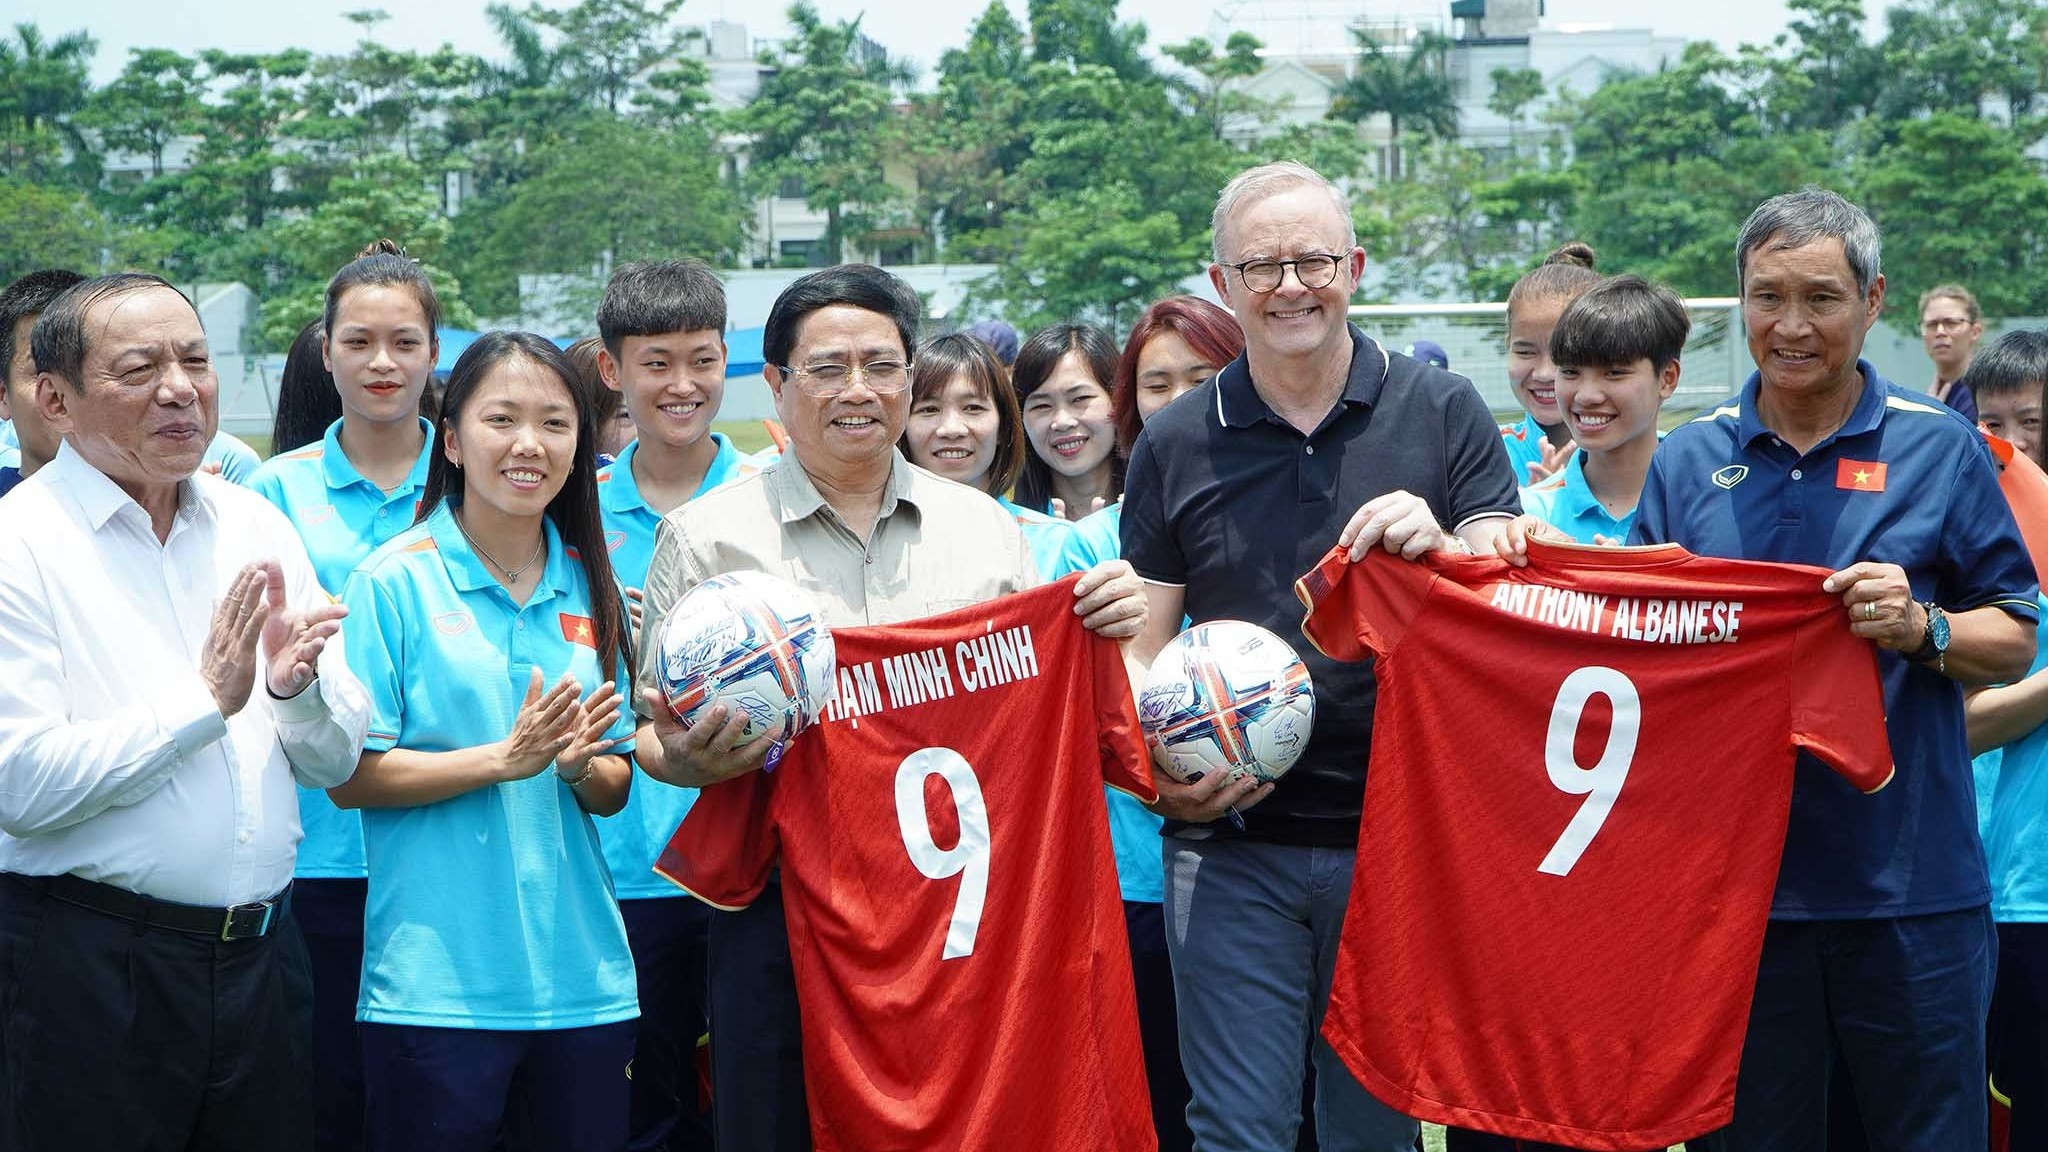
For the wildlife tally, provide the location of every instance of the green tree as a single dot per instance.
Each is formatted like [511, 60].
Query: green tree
[1514, 90]
[48, 227]
[42, 81]
[1409, 85]
[386, 197]
[617, 190]
[1216, 72]
[971, 135]
[154, 101]
[1949, 55]
[607, 44]
[1828, 49]
[1958, 200]
[825, 117]
[1098, 254]
[1080, 32]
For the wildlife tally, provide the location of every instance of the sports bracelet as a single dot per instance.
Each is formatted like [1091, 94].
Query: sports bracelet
[589, 766]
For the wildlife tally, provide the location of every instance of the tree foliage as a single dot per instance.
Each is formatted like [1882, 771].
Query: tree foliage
[1053, 143]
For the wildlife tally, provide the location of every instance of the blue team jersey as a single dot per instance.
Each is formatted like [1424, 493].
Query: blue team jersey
[237, 460]
[1096, 537]
[1524, 442]
[2016, 820]
[9, 478]
[633, 838]
[1566, 502]
[1904, 481]
[1046, 534]
[492, 909]
[342, 518]
[1133, 829]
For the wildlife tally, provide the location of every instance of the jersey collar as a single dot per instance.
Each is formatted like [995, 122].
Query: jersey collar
[618, 491]
[466, 569]
[796, 497]
[340, 472]
[1239, 405]
[1865, 417]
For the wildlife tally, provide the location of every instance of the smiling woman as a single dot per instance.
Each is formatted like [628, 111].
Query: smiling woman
[1063, 376]
[490, 925]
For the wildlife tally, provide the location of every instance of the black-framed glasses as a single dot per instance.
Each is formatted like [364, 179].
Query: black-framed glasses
[827, 380]
[1315, 270]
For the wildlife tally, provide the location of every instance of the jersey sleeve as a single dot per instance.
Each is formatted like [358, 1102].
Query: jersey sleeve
[374, 635]
[1147, 541]
[727, 845]
[1983, 561]
[1482, 481]
[1357, 611]
[1838, 701]
[1126, 766]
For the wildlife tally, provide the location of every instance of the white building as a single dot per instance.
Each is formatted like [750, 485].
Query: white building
[1311, 48]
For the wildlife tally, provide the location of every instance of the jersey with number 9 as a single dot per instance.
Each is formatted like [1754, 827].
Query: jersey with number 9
[949, 883]
[1581, 777]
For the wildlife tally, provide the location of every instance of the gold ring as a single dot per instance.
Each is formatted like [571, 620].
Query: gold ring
[1870, 610]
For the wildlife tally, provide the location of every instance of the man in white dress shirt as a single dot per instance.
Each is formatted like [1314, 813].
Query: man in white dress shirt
[153, 987]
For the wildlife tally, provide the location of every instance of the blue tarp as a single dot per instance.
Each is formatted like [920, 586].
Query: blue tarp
[455, 341]
[743, 352]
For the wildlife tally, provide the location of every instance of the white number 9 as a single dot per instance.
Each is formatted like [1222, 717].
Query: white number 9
[968, 859]
[1601, 783]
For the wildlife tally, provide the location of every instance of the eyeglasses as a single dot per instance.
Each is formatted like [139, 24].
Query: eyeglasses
[828, 380]
[1315, 270]
[1945, 324]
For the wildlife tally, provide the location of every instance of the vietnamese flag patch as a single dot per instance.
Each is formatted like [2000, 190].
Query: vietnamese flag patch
[1859, 475]
[579, 630]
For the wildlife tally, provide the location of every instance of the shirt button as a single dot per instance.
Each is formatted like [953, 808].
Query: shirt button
[244, 837]
[1798, 475]
[383, 512]
[867, 559]
[519, 627]
[1310, 449]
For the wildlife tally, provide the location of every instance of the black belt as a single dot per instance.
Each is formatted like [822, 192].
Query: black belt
[241, 922]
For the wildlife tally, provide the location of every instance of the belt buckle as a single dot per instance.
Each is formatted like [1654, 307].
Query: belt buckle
[233, 926]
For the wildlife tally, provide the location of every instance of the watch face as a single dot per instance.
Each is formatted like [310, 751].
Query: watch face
[1937, 629]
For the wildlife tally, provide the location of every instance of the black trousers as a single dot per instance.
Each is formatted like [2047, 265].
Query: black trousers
[757, 1057]
[330, 917]
[667, 937]
[120, 1037]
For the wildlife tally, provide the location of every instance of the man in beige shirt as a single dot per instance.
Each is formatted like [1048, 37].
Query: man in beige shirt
[875, 541]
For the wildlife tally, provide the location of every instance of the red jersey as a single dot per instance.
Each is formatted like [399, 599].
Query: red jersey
[1581, 776]
[951, 894]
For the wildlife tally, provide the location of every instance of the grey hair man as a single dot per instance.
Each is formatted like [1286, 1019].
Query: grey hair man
[1316, 436]
[169, 668]
[1879, 949]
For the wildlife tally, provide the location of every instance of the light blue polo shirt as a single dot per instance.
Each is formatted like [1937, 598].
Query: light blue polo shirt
[237, 460]
[1133, 829]
[2016, 814]
[635, 837]
[1566, 502]
[1524, 441]
[492, 909]
[1046, 534]
[341, 517]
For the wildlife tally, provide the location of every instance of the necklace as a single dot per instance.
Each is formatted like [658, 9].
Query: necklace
[510, 573]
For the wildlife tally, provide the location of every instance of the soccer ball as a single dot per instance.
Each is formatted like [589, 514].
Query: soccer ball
[1227, 696]
[753, 642]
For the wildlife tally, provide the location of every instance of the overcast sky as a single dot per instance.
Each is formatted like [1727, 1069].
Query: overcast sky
[918, 29]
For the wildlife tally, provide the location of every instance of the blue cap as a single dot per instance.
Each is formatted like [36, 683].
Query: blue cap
[998, 336]
[1430, 352]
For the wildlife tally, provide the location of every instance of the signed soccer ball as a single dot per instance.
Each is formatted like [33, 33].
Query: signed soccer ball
[753, 642]
[1227, 696]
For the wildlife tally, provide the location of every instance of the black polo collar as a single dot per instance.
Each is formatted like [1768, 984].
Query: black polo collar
[1239, 405]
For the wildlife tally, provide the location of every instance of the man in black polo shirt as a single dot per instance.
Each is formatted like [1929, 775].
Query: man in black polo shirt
[1315, 436]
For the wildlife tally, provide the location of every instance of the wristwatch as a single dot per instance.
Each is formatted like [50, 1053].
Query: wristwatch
[1934, 642]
